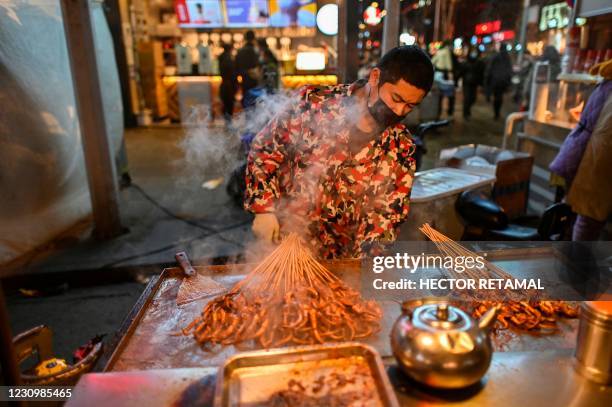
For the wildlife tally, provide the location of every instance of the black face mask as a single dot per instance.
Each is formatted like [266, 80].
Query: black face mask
[384, 116]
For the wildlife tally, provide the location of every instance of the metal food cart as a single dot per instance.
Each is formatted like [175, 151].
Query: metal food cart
[152, 362]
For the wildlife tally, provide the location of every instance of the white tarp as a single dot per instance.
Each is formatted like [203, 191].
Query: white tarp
[43, 185]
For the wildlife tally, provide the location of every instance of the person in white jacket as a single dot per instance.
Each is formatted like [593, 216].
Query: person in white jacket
[443, 62]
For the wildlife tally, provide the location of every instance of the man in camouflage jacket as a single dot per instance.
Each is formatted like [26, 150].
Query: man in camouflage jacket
[336, 166]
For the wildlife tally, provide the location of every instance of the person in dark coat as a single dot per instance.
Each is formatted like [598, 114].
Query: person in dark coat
[247, 63]
[499, 77]
[472, 75]
[270, 73]
[229, 83]
[584, 163]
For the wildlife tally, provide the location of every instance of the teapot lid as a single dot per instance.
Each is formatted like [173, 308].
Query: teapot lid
[441, 316]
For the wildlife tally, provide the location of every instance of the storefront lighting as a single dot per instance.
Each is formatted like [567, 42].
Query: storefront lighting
[488, 27]
[310, 61]
[554, 16]
[327, 19]
[407, 39]
[481, 48]
[458, 43]
[474, 40]
[503, 36]
[487, 39]
[372, 15]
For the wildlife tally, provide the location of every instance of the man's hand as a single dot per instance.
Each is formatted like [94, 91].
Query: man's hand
[266, 227]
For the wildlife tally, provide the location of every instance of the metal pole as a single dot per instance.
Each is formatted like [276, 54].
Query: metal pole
[568, 38]
[10, 367]
[523, 34]
[391, 25]
[348, 56]
[436, 36]
[99, 163]
[341, 38]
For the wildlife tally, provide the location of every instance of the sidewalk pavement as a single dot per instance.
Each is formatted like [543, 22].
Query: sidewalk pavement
[207, 223]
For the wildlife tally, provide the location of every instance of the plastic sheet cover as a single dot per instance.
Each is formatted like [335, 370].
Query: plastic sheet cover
[43, 180]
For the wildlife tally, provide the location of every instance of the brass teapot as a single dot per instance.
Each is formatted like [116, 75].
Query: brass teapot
[440, 345]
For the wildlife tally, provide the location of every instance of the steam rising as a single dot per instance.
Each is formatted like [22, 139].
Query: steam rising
[211, 150]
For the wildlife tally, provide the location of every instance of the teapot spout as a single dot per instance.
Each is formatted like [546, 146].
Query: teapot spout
[487, 320]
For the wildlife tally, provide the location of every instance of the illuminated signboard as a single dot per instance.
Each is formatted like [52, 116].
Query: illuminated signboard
[310, 61]
[245, 13]
[503, 36]
[199, 13]
[554, 16]
[293, 13]
[488, 27]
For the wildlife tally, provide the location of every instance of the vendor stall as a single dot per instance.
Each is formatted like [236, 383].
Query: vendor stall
[175, 46]
[556, 100]
[154, 361]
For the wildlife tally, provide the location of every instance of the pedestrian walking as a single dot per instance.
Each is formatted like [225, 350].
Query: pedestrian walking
[247, 64]
[499, 77]
[472, 75]
[270, 72]
[443, 62]
[229, 82]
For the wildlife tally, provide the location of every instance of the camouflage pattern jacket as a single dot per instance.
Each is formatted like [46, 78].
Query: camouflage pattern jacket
[301, 168]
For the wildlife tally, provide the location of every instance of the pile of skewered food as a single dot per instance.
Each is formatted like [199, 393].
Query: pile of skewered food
[289, 298]
[534, 316]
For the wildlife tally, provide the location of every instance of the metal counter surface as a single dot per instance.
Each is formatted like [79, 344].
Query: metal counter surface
[151, 337]
[518, 379]
[521, 379]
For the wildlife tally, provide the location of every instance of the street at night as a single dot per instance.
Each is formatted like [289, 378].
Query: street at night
[206, 202]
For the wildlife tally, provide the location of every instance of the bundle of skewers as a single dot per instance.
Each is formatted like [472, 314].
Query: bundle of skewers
[539, 317]
[518, 310]
[289, 298]
[451, 248]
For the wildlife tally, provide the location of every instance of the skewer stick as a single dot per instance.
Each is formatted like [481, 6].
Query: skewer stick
[286, 299]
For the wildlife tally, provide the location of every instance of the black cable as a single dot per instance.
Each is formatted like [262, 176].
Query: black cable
[170, 246]
[210, 231]
[188, 221]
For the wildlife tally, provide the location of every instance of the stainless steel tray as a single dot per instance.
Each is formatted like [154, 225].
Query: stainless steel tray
[253, 378]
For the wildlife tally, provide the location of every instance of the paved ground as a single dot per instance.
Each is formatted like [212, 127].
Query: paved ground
[164, 177]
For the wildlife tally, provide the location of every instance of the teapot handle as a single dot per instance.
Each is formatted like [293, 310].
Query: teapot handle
[407, 307]
[486, 321]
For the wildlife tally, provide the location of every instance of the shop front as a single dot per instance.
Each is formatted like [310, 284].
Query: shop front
[558, 99]
[178, 60]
